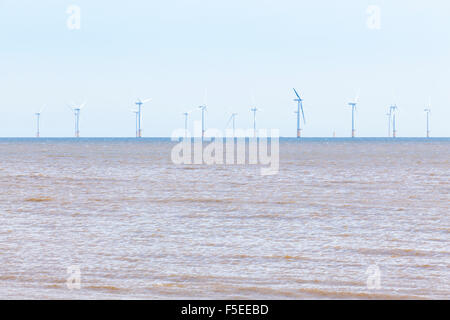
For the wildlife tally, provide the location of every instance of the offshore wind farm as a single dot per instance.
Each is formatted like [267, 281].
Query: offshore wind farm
[300, 117]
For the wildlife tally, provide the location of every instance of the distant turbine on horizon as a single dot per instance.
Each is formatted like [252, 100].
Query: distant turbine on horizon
[428, 112]
[232, 119]
[204, 108]
[139, 103]
[38, 121]
[76, 109]
[136, 113]
[299, 108]
[186, 115]
[353, 105]
[393, 111]
[254, 109]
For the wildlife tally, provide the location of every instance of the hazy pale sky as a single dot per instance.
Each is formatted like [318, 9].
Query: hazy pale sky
[172, 50]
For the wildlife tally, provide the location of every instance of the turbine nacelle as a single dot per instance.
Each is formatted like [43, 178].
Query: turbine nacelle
[393, 108]
[77, 108]
[141, 102]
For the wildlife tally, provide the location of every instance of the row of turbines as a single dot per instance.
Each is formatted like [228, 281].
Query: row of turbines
[392, 117]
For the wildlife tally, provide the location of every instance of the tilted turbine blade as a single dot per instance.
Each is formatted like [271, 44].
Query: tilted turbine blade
[303, 114]
[296, 93]
[229, 120]
[42, 109]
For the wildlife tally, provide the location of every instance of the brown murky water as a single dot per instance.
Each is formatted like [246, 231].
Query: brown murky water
[139, 226]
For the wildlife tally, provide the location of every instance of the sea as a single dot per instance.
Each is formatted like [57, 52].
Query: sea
[93, 218]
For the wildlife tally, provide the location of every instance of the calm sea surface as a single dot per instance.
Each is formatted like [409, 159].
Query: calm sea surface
[339, 215]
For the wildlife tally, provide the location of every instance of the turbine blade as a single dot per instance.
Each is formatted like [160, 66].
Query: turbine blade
[296, 93]
[301, 107]
[146, 100]
[229, 120]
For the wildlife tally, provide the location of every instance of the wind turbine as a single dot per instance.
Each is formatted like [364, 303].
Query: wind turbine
[233, 119]
[389, 114]
[186, 115]
[203, 108]
[38, 120]
[428, 111]
[76, 110]
[254, 109]
[392, 111]
[299, 107]
[139, 103]
[353, 105]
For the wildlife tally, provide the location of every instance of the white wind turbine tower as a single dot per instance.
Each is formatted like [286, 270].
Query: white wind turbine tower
[136, 113]
[38, 121]
[186, 116]
[139, 104]
[76, 109]
[204, 108]
[393, 111]
[428, 112]
[353, 105]
[233, 119]
[254, 109]
[299, 101]
[389, 115]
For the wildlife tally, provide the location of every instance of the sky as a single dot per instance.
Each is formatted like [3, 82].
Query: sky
[241, 52]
